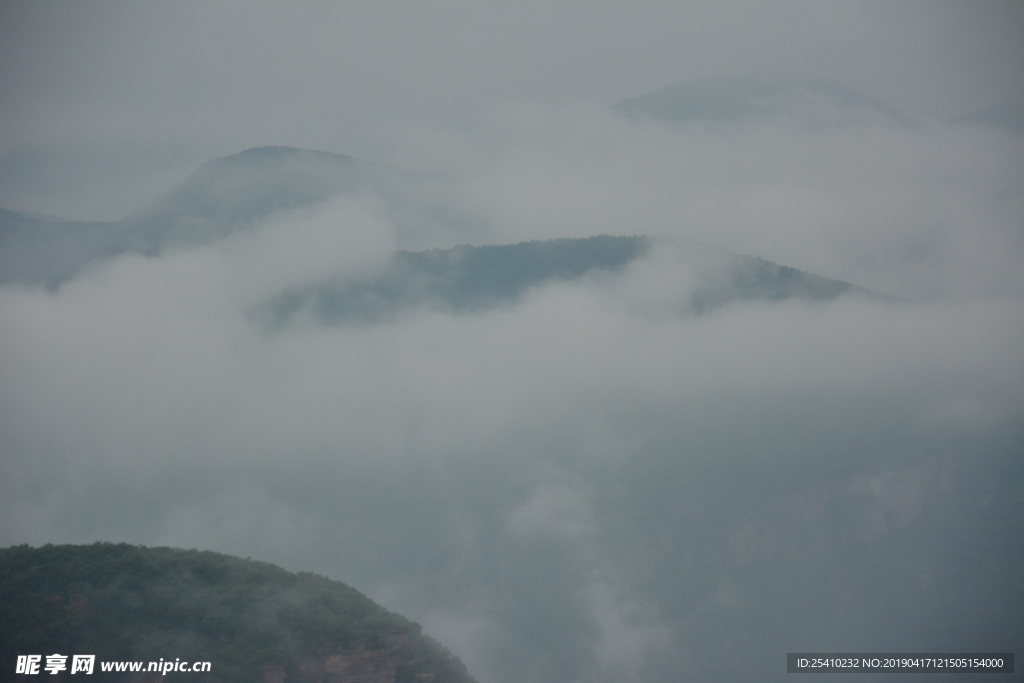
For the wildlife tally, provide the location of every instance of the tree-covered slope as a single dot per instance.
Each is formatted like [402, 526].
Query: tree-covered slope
[468, 279]
[252, 621]
[464, 279]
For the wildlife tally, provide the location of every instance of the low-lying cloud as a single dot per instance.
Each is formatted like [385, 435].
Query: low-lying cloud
[921, 211]
[589, 484]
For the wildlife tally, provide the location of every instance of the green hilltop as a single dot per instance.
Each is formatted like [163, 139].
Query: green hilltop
[252, 620]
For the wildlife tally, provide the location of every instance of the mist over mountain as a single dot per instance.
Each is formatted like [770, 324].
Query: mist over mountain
[470, 279]
[1007, 115]
[95, 181]
[749, 99]
[641, 394]
[238, 192]
[38, 250]
[223, 196]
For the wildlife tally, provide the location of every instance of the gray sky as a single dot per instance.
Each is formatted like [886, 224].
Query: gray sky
[586, 486]
[215, 78]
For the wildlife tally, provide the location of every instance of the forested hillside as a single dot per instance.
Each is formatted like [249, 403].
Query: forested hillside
[251, 620]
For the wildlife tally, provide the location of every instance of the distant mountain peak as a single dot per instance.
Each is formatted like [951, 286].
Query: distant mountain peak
[1007, 115]
[277, 153]
[245, 188]
[751, 98]
[470, 279]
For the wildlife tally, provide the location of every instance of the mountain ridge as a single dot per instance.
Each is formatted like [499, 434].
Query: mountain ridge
[467, 279]
[241, 189]
[251, 620]
[752, 98]
[1007, 115]
[233, 193]
[220, 197]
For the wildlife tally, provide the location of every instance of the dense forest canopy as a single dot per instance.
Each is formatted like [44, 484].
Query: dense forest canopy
[124, 602]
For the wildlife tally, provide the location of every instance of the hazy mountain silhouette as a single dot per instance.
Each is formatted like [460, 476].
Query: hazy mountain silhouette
[40, 250]
[220, 197]
[464, 279]
[731, 100]
[245, 188]
[467, 279]
[239, 191]
[1007, 115]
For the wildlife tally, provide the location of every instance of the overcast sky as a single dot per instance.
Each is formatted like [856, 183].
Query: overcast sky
[160, 87]
[586, 486]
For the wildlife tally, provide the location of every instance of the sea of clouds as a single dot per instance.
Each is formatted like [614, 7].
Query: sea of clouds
[592, 484]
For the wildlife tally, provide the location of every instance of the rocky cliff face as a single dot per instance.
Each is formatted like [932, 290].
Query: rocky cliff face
[358, 664]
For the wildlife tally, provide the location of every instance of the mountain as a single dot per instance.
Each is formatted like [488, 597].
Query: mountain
[220, 197]
[40, 250]
[467, 279]
[251, 620]
[1007, 115]
[731, 100]
[464, 279]
[235, 192]
[232, 192]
